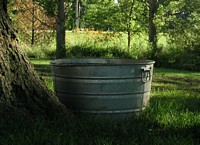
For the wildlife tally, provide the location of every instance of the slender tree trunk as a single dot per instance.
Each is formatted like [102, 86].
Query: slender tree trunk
[60, 31]
[129, 24]
[152, 27]
[77, 14]
[33, 24]
[20, 86]
[129, 40]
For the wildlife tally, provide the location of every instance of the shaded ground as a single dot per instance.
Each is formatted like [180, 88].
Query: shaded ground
[43, 69]
[172, 118]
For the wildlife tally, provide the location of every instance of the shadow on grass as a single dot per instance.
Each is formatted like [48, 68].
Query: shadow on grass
[43, 69]
[169, 120]
[175, 106]
[172, 117]
[173, 120]
[176, 103]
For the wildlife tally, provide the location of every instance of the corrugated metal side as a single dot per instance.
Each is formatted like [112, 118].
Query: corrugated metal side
[103, 89]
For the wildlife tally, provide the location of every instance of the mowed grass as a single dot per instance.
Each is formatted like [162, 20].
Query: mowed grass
[172, 118]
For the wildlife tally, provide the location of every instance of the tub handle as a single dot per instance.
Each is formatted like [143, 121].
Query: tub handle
[146, 73]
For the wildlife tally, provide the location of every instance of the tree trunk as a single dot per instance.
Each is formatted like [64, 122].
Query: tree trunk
[129, 40]
[77, 14]
[129, 24]
[20, 86]
[152, 27]
[33, 24]
[60, 31]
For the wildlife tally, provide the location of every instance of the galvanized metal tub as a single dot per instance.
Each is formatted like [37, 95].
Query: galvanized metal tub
[113, 87]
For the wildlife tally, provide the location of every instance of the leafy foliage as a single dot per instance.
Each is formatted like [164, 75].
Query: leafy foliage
[97, 14]
[49, 5]
[176, 21]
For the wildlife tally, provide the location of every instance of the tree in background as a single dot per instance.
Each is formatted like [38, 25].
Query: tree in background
[128, 17]
[31, 21]
[97, 14]
[30, 13]
[183, 23]
[176, 20]
[60, 30]
[77, 14]
[179, 22]
[153, 6]
[117, 16]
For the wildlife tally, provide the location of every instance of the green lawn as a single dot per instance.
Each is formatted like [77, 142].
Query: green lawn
[172, 118]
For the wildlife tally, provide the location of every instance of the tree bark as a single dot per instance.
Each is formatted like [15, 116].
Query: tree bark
[20, 86]
[152, 27]
[77, 14]
[60, 31]
[129, 24]
[33, 24]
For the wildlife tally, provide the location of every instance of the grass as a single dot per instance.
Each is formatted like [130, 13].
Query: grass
[176, 99]
[87, 43]
[114, 45]
[172, 118]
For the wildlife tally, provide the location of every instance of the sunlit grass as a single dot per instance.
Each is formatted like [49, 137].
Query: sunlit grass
[39, 61]
[176, 98]
[99, 40]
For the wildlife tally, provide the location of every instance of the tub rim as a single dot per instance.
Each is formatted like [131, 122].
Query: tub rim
[99, 61]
